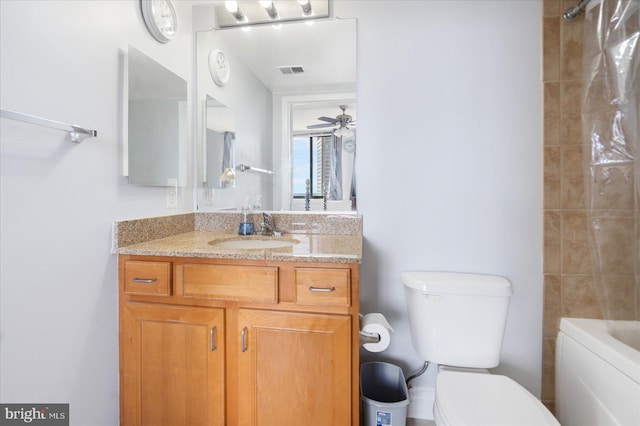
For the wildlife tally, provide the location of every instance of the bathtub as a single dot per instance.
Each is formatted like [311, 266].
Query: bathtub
[598, 372]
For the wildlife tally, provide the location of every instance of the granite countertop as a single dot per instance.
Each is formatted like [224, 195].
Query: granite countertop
[310, 245]
[310, 248]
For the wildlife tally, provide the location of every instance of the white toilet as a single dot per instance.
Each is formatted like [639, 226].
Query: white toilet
[457, 321]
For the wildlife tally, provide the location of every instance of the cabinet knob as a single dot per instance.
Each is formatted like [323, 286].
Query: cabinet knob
[145, 280]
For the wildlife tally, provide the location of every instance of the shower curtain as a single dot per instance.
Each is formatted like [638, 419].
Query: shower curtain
[611, 132]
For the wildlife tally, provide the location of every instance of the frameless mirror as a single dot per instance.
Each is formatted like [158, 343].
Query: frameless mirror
[285, 83]
[219, 148]
[157, 123]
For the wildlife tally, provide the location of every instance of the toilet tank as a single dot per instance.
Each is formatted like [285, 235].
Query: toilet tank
[457, 319]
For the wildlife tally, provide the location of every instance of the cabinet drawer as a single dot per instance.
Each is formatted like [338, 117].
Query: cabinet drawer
[246, 283]
[323, 286]
[147, 278]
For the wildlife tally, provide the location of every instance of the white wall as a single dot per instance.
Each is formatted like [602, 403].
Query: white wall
[449, 176]
[62, 60]
[449, 157]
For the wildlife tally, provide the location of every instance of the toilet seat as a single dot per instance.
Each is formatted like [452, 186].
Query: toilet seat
[486, 399]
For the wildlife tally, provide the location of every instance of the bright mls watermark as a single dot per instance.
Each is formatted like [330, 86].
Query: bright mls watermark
[34, 414]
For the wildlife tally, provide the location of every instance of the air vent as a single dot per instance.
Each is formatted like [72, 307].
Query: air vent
[291, 69]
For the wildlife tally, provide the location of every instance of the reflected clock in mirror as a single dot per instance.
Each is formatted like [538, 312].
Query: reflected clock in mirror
[157, 123]
[219, 149]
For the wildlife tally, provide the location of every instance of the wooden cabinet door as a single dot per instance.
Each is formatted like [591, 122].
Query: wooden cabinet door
[172, 365]
[294, 369]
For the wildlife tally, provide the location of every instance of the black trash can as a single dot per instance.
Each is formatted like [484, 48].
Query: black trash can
[384, 394]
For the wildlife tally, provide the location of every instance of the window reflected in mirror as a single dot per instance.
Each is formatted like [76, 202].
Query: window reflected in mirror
[323, 155]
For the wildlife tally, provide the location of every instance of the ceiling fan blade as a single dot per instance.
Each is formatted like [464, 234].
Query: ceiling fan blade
[327, 119]
[318, 126]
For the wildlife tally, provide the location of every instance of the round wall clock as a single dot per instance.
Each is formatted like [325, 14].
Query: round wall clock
[219, 67]
[160, 18]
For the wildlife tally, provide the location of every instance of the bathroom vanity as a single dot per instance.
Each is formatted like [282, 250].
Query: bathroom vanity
[217, 336]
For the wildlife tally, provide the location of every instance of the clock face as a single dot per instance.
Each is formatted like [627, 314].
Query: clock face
[219, 67]
[349, 145]
[160, 18]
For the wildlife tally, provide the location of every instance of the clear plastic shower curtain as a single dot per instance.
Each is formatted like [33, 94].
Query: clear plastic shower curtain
[611, 129]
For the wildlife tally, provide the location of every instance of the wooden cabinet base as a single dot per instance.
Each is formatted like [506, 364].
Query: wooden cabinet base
[231, 342]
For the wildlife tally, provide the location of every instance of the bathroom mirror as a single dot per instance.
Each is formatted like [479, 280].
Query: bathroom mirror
[219, 148]
[281, 81]
[156, 123]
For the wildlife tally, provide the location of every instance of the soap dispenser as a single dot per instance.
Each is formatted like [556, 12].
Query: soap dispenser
[246, 227]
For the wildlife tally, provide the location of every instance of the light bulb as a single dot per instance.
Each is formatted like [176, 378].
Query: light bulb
[231, 6]
[306, 7]
[341, 132]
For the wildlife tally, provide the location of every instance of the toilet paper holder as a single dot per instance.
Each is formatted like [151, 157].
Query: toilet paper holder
[367, 337]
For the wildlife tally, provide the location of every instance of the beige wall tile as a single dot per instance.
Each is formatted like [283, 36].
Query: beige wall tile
[551, 48]
[548, 368]
[579, 297]
[615, 240]
[552, 243]
[572, 177]
[619, 294]
[553, 305]
[552, 113]
[576, 255]
[552, 174]
[571, 96]
[612, 187]
[571, 128]
[551, 7]
[571, 49]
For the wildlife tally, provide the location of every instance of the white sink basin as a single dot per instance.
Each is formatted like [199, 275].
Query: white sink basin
[254, 243]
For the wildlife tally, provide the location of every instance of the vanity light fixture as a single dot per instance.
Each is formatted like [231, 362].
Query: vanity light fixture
[230, 15]
[270, 8]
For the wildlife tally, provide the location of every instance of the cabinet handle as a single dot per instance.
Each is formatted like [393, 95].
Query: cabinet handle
[145, 280]
[243, 346]
[212, 339]
[322, 289]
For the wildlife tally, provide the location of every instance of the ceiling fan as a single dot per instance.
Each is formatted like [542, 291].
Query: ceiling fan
[342, 121]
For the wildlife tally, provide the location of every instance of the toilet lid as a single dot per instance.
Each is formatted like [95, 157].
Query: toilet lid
[486, 399]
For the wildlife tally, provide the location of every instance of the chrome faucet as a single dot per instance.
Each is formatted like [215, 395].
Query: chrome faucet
[268, 225]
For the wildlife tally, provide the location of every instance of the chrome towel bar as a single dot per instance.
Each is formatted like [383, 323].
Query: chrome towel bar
[76, 133]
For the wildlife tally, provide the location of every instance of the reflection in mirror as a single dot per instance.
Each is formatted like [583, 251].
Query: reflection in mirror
[219, 149]
[323, 157]
[283, 80]
[157, 123]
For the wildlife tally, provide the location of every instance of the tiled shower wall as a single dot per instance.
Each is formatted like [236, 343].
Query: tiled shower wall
[568, 283]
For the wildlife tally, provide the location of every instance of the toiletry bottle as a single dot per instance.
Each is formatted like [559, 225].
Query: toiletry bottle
[246, 227]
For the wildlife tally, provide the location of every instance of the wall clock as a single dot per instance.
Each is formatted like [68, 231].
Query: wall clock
[160, 18]
[219, 67]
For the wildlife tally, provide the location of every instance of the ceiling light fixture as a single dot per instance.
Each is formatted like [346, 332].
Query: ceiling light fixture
[342, 131]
